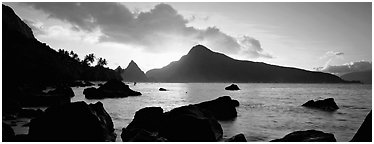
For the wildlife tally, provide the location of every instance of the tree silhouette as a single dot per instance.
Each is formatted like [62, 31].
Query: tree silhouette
[89, 59]
[74, 56]
[101, 62]
[63, 52]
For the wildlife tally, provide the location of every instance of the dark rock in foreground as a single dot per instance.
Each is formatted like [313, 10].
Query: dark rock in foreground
[145, 125]
[183, 124]
[8, 133]
[162, 89]
[222, 108]
[237, 138]
[326, 104]
[190, 124]
[187, 123]
[363, 134]
[307, 136]
[74, 122]
[111, 89]
[232, 87]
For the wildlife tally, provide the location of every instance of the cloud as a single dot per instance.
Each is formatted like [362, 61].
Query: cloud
[252, 47]
[347, 68]
[152, 30]
[37, 28]
[331, 54]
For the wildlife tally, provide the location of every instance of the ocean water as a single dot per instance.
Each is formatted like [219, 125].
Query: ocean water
[266, 111]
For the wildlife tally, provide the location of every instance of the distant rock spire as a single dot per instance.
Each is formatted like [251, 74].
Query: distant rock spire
[133, 73]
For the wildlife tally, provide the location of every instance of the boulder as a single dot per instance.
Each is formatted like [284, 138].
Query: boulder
[237, 138]
[222, 108]
[148, 118]
[111, 89]
[8, 133]
[307, 136]
[92, 93]
[73, 122]
[190, 124]
[63, 91]
[363, 134]
[162, 89]
[232, 87]
[326, 104]
[146, 122]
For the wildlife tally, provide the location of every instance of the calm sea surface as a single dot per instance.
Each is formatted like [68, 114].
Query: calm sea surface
[266, 111]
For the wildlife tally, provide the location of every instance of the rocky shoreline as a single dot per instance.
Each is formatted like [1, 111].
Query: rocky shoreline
[82, 122]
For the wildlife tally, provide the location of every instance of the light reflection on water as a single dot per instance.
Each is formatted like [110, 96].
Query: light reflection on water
[266, 111]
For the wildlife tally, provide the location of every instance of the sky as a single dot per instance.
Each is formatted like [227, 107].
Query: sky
[328, 37]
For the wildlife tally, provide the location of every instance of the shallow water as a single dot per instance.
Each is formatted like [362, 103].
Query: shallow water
[266, 111]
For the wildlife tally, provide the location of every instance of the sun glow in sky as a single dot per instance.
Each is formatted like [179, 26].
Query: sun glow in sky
[302, 35]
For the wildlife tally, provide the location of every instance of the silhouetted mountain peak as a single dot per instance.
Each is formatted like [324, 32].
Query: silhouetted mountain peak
[203, 65]
[119, 67]
[133, 73]
[199, 49]
[132, 65]
[119, 70]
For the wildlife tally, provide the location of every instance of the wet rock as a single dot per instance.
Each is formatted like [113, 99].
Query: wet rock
[8, 133]
[237, 138]
[162, 89]
[222, 108]
[326, 104]
[363, 134]
[74, 122]
[190, 124]
[307, 136]
[111, 89]
[232, 87]
[62, 91]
